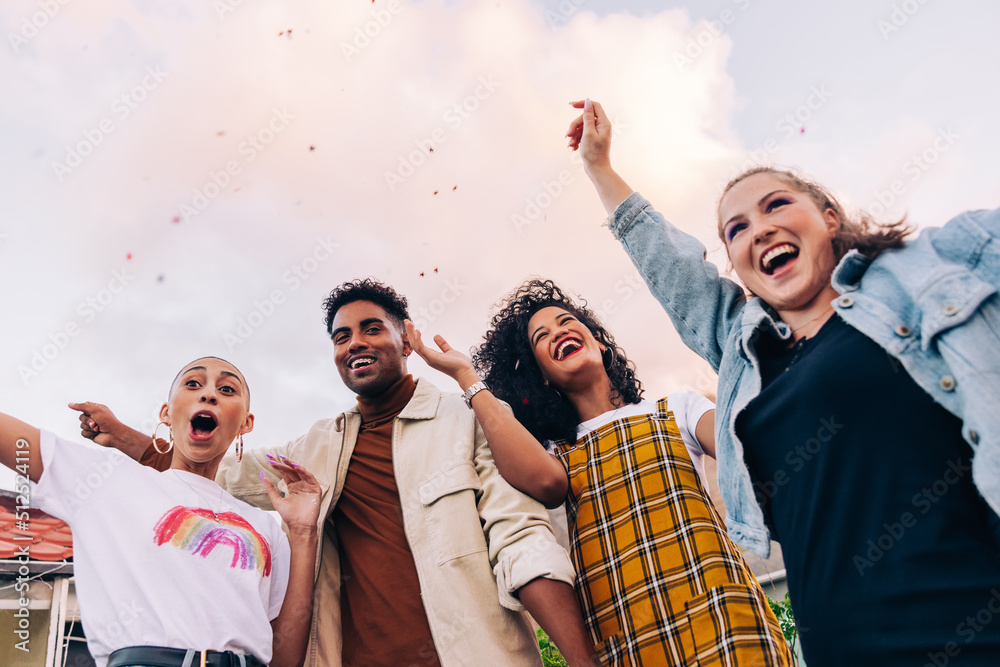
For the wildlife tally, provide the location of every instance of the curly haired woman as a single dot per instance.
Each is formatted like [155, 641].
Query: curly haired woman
[659, 581]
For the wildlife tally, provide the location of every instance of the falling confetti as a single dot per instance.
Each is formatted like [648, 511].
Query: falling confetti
[802, 131]
[312, 148]
[128, 256]
[431, 149]
[435, 192]
[524, 401]
[454, 188]
[176, 219]
[220, 133]
[435, 269]
[238, 189]
[159, 278]
[421, 274]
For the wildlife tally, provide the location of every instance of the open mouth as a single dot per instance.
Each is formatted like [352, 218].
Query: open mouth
[777, 257]
[568, 347]
[358, 363]
[203, 424]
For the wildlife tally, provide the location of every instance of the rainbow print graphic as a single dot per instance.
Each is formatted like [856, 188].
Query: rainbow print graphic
[196, 530]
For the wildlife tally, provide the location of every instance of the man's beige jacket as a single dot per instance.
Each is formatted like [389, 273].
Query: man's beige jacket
[474, 538]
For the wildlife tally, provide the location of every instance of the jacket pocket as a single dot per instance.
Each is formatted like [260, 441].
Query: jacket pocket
[449, 499]
[949, 302]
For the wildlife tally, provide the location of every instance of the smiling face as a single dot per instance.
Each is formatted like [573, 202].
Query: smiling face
[369, 348]
[779, 241]
[564, 347]
[209, 406]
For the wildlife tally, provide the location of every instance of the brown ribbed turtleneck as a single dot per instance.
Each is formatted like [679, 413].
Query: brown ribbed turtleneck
[384, 622]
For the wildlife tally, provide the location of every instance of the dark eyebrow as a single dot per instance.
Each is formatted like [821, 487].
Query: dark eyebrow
[740, 216]
[364, 323]
[531, 338]
[234, 375]
[193, 368]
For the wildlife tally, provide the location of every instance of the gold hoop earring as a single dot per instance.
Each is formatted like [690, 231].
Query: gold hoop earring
[239, 449]
[156, 440]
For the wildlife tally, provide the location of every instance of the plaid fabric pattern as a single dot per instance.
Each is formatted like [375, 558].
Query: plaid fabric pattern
[659, 580]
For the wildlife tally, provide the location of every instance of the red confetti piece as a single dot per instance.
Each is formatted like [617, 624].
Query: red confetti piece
[454, 188]
[128, 256]
[220, 133]
[524, 401]
[802, 131]
[435, 269]
[421, 273]
[435, 192]
[176, 219]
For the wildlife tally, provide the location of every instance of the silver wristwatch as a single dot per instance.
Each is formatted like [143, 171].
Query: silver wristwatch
[472, 391]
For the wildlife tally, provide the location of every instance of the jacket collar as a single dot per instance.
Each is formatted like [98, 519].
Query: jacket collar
[758, 317]
[423, 405]
[848, 273]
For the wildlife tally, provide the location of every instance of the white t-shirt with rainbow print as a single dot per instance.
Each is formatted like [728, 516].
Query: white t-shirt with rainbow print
[163, 558]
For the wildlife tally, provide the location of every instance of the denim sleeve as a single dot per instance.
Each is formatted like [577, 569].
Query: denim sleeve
[703, 306]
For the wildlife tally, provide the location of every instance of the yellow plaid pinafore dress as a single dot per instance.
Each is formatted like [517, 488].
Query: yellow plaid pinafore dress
[659, 580]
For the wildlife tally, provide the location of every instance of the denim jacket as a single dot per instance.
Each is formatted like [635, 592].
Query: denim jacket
[931, 305]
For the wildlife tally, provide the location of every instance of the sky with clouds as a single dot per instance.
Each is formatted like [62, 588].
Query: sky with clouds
[191, 178]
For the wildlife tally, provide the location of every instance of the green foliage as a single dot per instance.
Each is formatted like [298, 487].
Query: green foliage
[786, 619]
[551, 657]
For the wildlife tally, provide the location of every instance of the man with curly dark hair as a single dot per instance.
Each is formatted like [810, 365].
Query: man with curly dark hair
[428, 555]
[659, 580]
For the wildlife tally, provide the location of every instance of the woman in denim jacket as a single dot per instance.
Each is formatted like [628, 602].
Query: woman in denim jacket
[858, 413]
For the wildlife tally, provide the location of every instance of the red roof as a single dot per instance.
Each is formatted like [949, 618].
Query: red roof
[46, 537]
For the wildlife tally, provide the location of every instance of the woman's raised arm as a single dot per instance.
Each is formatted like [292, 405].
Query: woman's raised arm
[703, 306]
[19, 447]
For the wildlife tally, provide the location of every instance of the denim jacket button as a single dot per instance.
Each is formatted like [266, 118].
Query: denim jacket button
[950, 309]
[845, 302]
[903, 331]
[947, 383]
[974, 437]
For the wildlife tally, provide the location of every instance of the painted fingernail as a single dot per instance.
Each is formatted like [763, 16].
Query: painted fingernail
[262, 475]
[271, 457]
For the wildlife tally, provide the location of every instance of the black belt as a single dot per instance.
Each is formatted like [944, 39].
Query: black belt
[158, 656]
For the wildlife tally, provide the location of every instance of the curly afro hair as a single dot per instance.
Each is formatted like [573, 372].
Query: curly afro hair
[507, 364]
[368, 289]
